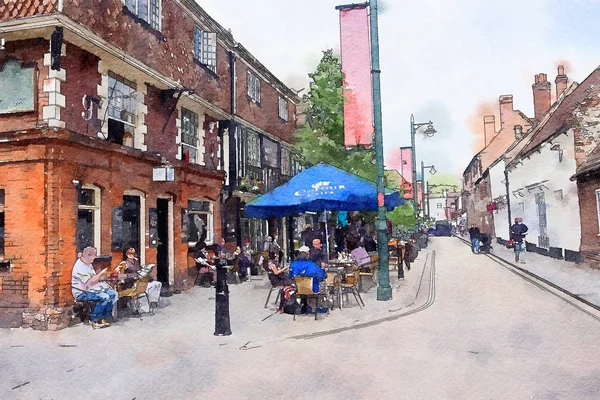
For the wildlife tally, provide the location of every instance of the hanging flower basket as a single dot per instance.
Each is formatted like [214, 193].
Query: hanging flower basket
[251, 185]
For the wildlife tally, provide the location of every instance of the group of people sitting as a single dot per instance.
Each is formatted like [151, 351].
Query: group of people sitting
[89, 286]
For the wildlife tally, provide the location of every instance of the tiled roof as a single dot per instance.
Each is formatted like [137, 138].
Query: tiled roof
[558, 118]
[10, 9]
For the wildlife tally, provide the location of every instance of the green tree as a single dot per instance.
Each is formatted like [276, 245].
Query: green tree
[322, 138]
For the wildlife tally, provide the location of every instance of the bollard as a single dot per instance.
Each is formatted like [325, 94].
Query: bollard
[222, 323]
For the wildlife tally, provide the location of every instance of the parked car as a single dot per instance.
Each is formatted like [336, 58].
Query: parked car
[443, 228]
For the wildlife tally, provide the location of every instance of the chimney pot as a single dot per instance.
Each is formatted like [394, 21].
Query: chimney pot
[561, 81]
[541, 95]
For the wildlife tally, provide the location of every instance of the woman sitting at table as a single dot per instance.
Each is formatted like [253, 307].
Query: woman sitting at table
[131, 267]
[278, 276]
[358, 253]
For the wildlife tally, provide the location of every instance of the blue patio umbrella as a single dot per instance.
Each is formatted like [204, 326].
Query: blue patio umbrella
[318, 188]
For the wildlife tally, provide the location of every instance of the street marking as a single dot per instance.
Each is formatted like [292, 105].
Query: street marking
[22, 384]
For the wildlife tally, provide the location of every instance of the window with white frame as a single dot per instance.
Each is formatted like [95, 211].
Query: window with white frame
[200, 214]
[88, 217]
[254, 87]
[283, 108]
[286, 165]
[205, 48]
[253, 155]
[147, 10]
[439, 205]
[122, 108]
[189, 135]
[2, 203]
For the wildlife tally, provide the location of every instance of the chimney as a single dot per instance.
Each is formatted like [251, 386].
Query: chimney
[506, 108]
[489, 128]
[561, 81]
[518, 132]
[541, 95]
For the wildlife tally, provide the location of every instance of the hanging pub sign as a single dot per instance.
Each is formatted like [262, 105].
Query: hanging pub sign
[16, 88]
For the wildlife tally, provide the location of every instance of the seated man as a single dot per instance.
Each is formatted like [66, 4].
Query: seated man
[305, 267]
[86, 285]
[317, 253]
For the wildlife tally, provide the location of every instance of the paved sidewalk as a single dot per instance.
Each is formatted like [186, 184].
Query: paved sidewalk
[577, 279]
[193, 311]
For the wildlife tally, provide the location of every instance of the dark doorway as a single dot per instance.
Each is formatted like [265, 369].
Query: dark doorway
[162, 250]
[131, 223]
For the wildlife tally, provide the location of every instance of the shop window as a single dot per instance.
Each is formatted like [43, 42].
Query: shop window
[200, 214]
[2, 203]
[122, 107]
[189, 136]
[253, 87]
[286, 166]
[253, 154]
[283, 108]
[147, 10]
[205, 49]
[88, 218]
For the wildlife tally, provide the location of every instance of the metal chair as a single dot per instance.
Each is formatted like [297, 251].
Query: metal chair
[274, 286]
[351, 284]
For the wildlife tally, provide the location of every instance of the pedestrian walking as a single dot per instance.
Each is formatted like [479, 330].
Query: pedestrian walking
[474, 235]
[517, 234]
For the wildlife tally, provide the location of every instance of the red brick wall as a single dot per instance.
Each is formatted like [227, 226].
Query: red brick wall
[590, 242]
[171, 56]
[265, 116]
[157, 140]
[82, 79]
[28, 51]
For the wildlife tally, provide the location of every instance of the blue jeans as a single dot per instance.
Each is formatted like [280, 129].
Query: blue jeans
[519, 248]
[475, 245]
[104, 306]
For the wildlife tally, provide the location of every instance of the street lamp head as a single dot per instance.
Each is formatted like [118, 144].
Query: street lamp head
[432, 170]
[429, 132]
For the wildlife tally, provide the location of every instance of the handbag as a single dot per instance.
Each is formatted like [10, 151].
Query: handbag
[510, 244]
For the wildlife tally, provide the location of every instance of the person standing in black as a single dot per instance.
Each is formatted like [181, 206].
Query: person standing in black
[474, 234]
[517, 234]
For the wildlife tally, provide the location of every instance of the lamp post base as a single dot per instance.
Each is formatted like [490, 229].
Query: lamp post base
[384, 293]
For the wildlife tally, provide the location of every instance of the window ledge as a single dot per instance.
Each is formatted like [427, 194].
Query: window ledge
[205, 68]
[144, 24]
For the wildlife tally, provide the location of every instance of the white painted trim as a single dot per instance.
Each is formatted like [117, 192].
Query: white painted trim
[97, 213]
[598, 207]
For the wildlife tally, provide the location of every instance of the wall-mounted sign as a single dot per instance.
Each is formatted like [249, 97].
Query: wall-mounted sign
[16, 88]
[163, 174]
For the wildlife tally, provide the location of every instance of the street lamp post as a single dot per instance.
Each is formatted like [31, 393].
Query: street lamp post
[432, 171]
[384, 290]
[413, 130]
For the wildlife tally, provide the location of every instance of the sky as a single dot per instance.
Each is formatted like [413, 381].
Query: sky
[446, 61]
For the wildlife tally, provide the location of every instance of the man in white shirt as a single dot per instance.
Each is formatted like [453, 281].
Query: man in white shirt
[86, 285]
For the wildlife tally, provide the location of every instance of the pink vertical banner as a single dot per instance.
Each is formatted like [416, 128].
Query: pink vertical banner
[356, 65]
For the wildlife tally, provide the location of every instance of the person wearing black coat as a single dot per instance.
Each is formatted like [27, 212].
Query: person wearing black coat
[474, 234]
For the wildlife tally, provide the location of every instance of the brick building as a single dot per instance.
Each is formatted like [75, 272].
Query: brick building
[479, 182]
[123, 123]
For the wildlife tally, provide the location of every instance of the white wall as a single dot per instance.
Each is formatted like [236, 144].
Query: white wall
[497, 182]
[438, 214]
[563, 222]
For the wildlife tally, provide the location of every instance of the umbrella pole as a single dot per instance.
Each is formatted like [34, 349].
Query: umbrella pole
[326, 235]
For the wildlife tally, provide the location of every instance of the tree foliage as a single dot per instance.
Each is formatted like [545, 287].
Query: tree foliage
[322, 138]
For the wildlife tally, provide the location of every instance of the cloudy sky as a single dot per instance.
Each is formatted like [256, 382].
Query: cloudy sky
[442, 60]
